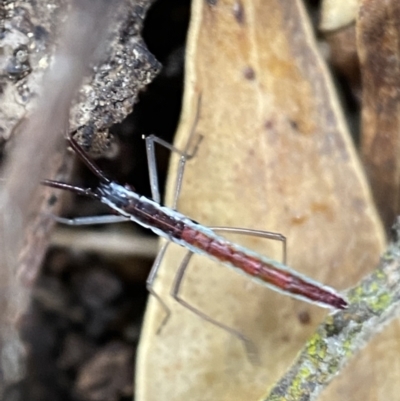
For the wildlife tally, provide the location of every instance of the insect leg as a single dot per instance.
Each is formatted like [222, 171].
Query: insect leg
[257, 233]
[150, 284]
[91, 220]
[250, 347]
[82, 221]
[185, 155]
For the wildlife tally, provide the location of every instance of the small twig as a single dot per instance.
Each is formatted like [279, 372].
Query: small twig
[374, 302]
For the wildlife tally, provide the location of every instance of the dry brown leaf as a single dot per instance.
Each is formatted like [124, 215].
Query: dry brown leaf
[276, 155]
[378, 35]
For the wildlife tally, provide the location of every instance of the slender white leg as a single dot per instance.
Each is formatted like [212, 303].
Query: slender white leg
[250, 347]
[155, 191]
[91, 220]
[150, 284]
[152, 165]
[248, 344]
[185, 155]
[257, 233]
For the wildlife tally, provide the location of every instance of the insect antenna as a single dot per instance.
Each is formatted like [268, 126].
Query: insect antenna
[92, 166]
[72, 188]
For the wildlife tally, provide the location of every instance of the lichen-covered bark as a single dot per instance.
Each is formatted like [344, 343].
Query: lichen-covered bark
[374, 302]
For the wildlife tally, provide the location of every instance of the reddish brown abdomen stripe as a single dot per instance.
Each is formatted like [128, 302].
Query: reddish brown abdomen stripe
[286, 281]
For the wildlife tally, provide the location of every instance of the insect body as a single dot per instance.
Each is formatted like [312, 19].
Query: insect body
[177, 228]
[199, 239]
